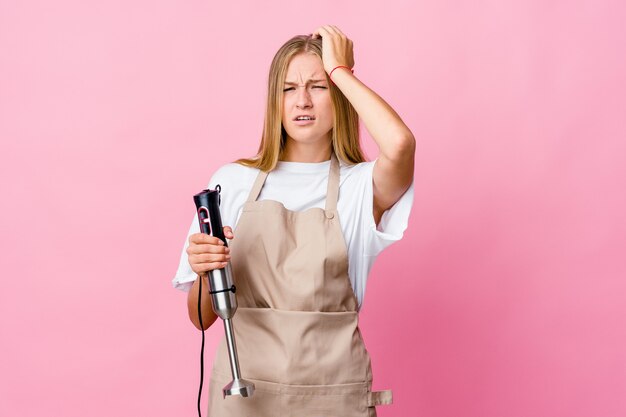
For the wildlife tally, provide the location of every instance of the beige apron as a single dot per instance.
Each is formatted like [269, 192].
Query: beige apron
[296, 327]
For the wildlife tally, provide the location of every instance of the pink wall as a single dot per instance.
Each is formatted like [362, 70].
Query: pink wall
[506, 297]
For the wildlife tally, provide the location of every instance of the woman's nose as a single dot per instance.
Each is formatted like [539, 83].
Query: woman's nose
[304, 98]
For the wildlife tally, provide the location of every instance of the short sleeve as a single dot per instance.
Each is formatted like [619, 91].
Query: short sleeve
[184, 278]
[394, 220]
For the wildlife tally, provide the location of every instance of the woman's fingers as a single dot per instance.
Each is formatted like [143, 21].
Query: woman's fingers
[206, 245]
[334, 30]
[203, 238]
[321, 32]
[202, 269]
[196, 249]
[336, 47]
[204, 258]
[328, 30]
[206, 252]
[201, 258]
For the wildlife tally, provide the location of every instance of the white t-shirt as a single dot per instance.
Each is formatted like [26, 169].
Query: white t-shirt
[300, 186]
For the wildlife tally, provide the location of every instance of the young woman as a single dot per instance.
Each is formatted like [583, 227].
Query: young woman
[311, 216]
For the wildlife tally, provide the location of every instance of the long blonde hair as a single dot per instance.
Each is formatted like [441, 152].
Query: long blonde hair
[345, 131]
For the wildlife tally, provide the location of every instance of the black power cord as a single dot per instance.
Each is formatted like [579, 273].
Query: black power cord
[202, 348]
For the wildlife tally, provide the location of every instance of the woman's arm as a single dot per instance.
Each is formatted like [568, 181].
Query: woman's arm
[393, 171]
[208, 316]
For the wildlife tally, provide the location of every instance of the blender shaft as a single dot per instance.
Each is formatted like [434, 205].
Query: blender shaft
[232, 349]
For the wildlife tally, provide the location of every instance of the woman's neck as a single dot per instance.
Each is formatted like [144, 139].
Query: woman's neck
[299, 152]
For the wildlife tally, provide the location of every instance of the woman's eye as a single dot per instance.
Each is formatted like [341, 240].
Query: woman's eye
[315, 86]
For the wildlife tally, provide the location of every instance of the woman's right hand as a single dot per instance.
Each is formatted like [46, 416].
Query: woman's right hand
[207, 253]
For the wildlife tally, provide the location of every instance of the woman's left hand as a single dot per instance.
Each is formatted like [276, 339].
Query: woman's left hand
[336, 47]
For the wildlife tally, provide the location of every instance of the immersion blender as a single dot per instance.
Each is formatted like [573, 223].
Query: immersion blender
[221, 287]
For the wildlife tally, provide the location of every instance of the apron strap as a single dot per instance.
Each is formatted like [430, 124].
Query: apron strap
[375, 398]
[258, 184]
[332, 192]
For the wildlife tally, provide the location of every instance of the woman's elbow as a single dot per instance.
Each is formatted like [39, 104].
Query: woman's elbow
[403, 149]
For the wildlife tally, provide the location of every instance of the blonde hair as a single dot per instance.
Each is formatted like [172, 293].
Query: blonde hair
[345, 131]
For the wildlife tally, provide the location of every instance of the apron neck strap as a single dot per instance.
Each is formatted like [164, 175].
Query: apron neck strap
[258, 184]
[332, 192]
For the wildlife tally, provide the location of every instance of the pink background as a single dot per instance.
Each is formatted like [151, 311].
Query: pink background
[506, 296]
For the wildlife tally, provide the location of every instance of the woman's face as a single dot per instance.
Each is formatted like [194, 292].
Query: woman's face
[306, 93]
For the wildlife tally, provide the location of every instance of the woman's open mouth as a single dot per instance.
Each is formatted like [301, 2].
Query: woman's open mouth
[304, 120]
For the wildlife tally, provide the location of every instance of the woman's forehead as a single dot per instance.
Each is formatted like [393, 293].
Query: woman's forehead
[305, 67]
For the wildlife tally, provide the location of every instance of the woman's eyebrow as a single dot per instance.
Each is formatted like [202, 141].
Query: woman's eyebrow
[308, 82]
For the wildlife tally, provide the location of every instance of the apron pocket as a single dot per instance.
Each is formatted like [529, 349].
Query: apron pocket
[339, 400]
[281, 400]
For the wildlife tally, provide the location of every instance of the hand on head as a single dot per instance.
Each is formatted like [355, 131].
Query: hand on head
[337, 49]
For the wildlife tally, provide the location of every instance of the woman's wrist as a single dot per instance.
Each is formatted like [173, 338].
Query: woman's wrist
[330, 74]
